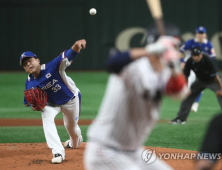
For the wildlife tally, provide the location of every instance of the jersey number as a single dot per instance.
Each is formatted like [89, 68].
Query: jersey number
[56, 88]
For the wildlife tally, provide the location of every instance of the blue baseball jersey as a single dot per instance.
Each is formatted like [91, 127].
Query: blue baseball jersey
[206, 47]
[53, 80]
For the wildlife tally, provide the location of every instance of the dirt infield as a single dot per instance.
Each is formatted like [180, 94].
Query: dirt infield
[26, 156]
[35, 122]
[37, 156]
[38, 122]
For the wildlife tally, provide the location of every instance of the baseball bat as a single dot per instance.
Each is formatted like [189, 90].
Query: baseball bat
[156, 12]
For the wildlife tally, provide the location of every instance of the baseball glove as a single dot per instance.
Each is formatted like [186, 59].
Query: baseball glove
[37, 98]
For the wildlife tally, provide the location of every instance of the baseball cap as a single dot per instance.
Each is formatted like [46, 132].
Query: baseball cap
[25, 55]
[195, 51]
[201, 29]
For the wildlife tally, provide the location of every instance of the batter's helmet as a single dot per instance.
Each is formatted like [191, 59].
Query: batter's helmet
[152, 32]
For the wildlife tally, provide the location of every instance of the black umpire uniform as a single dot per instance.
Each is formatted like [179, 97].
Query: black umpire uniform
[207, 77]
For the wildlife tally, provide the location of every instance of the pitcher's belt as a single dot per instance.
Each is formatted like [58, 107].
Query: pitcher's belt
[56, 105]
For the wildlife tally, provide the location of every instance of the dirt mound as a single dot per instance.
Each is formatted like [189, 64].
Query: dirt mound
[26, 156]
[36, 122]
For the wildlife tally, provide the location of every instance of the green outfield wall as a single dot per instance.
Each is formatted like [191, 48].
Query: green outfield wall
[48, 27]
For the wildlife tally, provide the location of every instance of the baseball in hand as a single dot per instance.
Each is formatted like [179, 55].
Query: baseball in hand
[92, 11]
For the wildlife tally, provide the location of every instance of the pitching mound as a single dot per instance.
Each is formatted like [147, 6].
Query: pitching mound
[26, 156]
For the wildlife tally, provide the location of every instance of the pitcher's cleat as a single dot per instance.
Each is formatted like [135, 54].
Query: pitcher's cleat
[66, 144]
[57, 159]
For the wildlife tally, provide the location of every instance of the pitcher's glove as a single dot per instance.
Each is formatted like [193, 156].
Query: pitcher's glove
[37, 98]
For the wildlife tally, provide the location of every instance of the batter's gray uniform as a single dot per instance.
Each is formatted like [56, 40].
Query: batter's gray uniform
[126, 117]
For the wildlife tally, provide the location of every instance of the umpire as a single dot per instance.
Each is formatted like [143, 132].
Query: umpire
[207, 77]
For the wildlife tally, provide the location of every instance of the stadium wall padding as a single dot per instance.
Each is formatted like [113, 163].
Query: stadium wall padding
[48, 27]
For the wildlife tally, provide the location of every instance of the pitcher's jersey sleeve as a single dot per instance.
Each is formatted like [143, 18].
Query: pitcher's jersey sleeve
[64, 59]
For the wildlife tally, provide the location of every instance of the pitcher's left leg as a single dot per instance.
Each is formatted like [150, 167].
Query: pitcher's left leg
[51, 134]
[71, 112]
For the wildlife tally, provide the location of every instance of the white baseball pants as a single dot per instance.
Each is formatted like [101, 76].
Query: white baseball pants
[71, 111]
[100, 157]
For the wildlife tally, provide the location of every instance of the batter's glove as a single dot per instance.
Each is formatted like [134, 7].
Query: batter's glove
[37, 98]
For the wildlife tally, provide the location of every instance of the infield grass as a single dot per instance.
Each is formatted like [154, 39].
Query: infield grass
[92, 86]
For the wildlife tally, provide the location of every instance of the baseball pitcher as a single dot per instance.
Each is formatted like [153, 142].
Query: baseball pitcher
[50, 90]
[131, 106]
